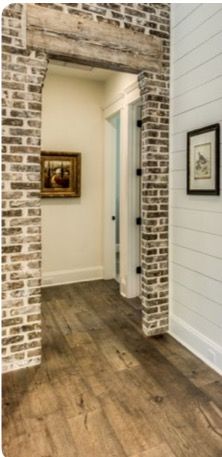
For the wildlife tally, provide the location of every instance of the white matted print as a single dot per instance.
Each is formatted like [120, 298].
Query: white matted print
[203, 161]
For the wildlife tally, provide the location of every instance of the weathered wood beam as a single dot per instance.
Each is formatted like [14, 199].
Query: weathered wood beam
[99, 44]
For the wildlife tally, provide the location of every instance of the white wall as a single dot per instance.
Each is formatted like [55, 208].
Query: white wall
[117, 85]
[72, 229]
[196, 221]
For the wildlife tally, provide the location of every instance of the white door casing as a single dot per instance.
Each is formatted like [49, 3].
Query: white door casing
[126, 104]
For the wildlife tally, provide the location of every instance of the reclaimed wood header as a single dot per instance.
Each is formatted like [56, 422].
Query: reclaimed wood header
[83, 40]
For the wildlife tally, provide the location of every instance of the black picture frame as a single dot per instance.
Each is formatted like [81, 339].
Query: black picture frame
[216, 161]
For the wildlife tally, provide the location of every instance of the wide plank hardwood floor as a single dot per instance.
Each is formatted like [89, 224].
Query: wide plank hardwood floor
[103, 390]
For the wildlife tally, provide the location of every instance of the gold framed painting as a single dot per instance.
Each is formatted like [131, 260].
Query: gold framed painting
[60, 174]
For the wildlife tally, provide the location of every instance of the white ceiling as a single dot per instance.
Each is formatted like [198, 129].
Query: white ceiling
[79, 71]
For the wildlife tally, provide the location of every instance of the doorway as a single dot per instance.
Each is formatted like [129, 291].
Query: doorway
[122, 190]
[44, 36]
[75, 100]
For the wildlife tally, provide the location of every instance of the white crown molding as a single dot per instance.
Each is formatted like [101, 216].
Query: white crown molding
[115, 100]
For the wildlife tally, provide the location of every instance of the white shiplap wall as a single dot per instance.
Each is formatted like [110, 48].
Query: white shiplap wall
[195, 221]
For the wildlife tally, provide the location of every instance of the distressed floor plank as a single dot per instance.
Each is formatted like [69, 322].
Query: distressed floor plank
[105, 390]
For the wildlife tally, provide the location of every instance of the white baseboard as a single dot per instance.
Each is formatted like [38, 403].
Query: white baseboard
[56, 278]
[196, 342]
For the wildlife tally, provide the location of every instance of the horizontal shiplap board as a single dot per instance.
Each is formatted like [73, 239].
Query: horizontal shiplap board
[205, 94]
[197, 321]
[200, 15]
[206, 265]
[199, 36]
[201, 115]
[182, 12]
[211, 311]
[198, 56]
[197, 282]
[198, 76]
[179, 140]
[197, 241]
[180, 200]
[197, 220]
[178, 179]
[178, 160]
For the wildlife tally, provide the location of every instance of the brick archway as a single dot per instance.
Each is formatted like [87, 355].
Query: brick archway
[125, 37]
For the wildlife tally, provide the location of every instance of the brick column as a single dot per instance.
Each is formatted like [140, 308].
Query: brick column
[23, 75]
[155, 157]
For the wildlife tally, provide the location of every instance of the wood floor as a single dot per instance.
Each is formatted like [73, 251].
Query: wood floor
[103, 390]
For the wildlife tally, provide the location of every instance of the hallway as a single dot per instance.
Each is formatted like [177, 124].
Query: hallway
[103, 390]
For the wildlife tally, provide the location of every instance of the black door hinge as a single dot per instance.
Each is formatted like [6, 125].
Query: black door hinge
[138, 221]
[139, 123]
[139, 172]
[138, 270]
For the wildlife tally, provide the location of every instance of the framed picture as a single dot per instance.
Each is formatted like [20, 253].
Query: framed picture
[203, 161]
[60, 174]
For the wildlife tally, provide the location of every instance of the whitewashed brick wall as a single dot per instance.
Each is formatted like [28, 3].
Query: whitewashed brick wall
[23, 76]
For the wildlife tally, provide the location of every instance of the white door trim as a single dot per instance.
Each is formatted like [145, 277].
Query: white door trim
[133, 285]
[121, 103]
[109, 200]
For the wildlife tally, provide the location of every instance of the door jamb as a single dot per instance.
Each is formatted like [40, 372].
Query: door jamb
[121, 104]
